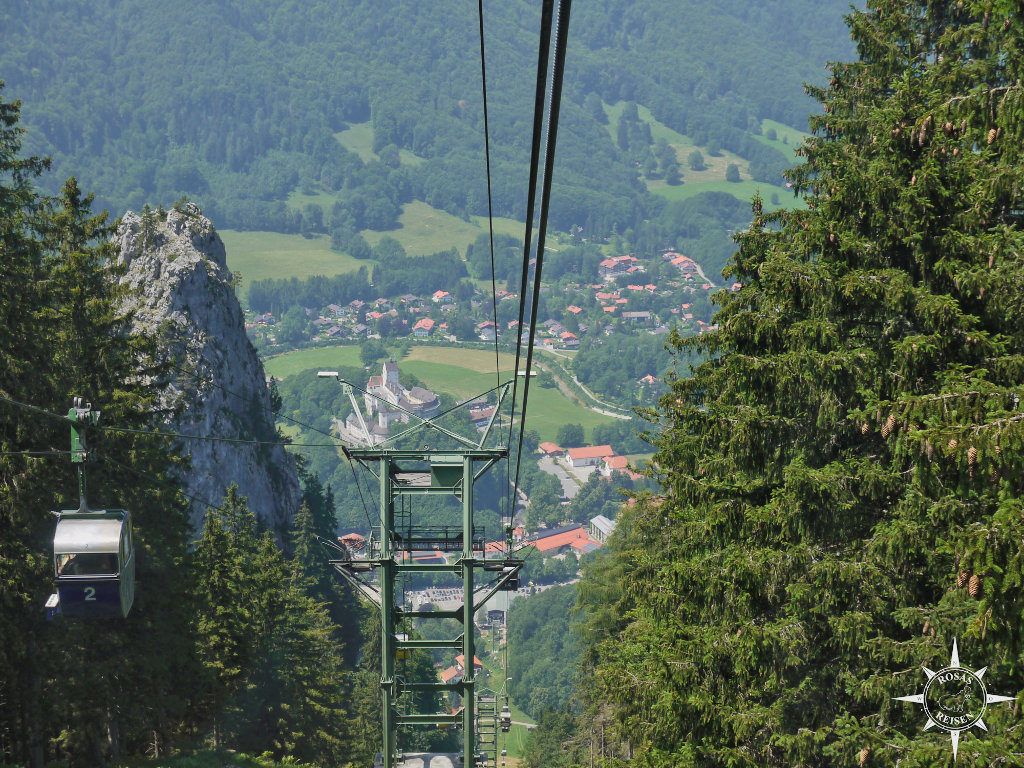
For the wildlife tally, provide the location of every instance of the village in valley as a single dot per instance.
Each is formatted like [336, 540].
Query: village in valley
[632, 295]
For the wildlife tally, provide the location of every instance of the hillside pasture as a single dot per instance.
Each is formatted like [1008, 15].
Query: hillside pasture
[261, 255]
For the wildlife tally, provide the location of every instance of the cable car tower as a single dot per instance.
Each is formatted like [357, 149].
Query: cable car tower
[404, 475]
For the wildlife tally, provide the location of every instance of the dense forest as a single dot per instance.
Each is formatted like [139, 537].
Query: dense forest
[240, 640]
[271, 86]
[840, 482]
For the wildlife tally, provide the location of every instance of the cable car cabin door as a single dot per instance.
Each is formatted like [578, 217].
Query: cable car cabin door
[94, 561]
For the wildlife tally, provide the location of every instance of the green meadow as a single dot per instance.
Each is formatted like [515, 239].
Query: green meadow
[261, 255]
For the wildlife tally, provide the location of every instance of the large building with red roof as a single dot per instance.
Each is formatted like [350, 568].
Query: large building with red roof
[556, 540]
[589, 455]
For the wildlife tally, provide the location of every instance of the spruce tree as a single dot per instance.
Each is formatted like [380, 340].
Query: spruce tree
[842, 480]
[85, 692]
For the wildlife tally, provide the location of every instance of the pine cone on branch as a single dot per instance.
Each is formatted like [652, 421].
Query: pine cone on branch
[974, 585]
[863, 756]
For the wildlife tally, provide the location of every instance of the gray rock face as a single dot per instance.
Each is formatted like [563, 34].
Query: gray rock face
[217, 386]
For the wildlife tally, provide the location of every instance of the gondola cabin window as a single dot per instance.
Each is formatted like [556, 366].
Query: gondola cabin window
[87, 564]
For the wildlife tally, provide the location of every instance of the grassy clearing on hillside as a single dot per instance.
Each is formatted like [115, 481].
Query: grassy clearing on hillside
[683, 145]
[712, 179]
[743, 190]
[259, 255]
[358, 138]
[322, 358]
[461, 382]
[549, 409]
[425, 230]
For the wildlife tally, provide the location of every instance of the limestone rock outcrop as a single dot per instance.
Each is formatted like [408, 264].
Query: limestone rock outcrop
[216, 387]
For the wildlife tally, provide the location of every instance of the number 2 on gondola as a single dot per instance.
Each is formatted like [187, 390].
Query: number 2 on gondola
[90, 593]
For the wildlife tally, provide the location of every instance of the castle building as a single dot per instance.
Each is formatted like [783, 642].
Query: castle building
[387, 402]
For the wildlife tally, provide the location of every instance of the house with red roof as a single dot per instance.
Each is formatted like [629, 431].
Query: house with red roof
[554, 541]
[573, 309]
[441, 297]
[486, 330]
[611, 464]
[588, 455]
[550, 449]
[355, 542]
[611, 268]
[460, 663]
[569, 340]
[450, 675]
[423, 328]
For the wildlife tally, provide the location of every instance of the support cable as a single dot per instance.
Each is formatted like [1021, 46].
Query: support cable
[490, 198]
[150, 476]
[554, 107]
[355, 479]
[165, 433]
[543, 56]
[53, 452]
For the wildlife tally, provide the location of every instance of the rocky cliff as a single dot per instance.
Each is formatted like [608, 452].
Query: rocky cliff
[216, 386]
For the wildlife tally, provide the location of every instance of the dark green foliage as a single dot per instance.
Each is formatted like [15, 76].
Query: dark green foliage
[551, 744]
[92, 691]
[732, 172]
[372, 351]
[697, 227]
[544, 650]
[508, 256]
[418, 275]
[612, 365]
[623, 436]
[570, 436]
[272, 665]
[545, 507]
[600, 496]
[237, 641]
[277, 295]
[293, 325]
[852, 451]
[539, 571]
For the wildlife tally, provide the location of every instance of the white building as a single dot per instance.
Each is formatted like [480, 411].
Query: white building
[601, 528]
[387, 402]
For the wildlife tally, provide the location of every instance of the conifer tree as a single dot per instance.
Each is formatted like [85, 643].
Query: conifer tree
[87, 692]
[275, 675]
[843, 479]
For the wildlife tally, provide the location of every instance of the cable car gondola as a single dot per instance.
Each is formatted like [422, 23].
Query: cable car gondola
[93, 553]
[506, 719]
[94, 562]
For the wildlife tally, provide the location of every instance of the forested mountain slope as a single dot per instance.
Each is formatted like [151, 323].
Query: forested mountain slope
[237, 103]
